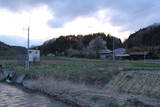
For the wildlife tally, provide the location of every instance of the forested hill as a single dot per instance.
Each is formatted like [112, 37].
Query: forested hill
[80, 42]
[7, 50]
[146, 37]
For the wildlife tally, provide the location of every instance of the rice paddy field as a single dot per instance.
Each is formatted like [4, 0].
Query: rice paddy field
[79, 66]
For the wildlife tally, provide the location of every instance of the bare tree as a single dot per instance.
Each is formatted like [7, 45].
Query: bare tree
[97, 44]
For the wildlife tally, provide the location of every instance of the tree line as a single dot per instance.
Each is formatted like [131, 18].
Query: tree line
[80, 45]
[146, 39]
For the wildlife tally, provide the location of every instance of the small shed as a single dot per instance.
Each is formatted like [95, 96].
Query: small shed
[34, 55]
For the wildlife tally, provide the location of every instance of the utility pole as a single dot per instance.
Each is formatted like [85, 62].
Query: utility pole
[28, 66]
[113, 48]
[28, 36]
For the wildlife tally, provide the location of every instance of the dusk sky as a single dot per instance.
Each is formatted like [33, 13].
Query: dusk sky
[51, 18]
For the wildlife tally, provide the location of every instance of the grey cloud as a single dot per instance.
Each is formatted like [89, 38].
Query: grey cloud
[130, 13]
[135, 14]
[18, 5]
[66, 10]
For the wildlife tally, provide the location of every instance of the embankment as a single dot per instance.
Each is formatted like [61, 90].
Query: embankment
[81, 95]
[84, 96]
[136, 83]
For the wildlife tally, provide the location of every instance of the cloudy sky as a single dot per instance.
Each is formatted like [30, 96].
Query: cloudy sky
[51, 18]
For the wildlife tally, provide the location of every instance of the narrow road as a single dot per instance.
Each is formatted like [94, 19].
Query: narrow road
[11, 96]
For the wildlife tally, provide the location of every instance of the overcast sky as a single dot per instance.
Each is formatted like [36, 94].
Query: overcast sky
[51, 18]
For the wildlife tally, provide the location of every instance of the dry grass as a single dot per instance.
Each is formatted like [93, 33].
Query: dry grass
[136, 83]
[62, 90]
[85, 96]
[49, 83]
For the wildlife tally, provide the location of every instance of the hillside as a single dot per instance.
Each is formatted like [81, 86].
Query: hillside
[146, 37]
[78, 43]
[7, 50]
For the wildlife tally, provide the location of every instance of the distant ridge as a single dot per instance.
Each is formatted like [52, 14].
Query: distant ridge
[146, 37]
[8, 50]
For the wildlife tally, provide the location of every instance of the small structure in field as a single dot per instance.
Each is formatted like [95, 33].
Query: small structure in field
[105, 54]
[34, 56]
